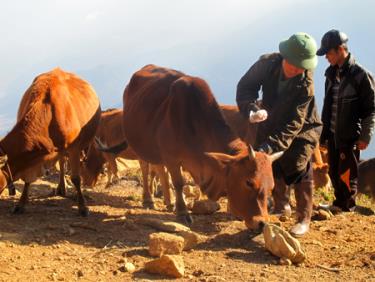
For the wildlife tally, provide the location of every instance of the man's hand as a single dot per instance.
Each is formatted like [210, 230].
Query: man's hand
[361, 145]
[258, 116]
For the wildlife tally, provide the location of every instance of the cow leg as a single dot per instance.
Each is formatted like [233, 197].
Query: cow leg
[61, 188]
[112, 171]
[178, 183]
[11, 189]
[164, 180]
[109, 178]
[20, 207]
[74, 163]
[148, 199]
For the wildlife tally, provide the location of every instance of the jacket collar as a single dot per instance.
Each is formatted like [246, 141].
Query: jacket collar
[331, 70]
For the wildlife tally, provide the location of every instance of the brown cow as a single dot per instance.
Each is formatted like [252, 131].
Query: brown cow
[58, 115]
[173, 119]
[247, 132]
[110, 132]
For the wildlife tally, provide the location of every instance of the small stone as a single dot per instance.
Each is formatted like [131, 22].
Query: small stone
[172, 266]
[165, 243]
[205, 207]
[129, 267]
[79, 273]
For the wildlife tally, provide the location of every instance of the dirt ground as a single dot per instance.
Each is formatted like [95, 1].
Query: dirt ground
[50, 242]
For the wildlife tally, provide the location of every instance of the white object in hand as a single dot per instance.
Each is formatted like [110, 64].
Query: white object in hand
[258, 116]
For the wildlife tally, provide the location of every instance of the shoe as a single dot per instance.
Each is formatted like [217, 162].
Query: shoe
[300, 229]
[334, 209]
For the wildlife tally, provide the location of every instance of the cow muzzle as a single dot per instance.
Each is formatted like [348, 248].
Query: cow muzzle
[256, 224]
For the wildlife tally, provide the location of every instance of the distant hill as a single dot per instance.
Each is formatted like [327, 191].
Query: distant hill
[220, 60]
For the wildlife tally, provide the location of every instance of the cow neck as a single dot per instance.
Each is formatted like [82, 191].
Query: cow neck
[14, 144]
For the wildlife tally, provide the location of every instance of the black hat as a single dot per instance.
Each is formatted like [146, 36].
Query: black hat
[331, 39]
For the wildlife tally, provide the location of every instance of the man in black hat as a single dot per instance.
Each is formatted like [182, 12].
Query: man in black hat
[348, 116]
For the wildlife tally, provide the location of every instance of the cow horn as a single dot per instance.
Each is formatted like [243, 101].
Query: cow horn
[276, 156]
[251, 152]
[116, 149]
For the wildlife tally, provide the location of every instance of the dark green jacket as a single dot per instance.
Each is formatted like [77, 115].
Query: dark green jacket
[293, 125]
[356, 104]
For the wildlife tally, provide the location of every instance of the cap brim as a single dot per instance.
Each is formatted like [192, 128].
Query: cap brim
[321, 51]
[308, 64]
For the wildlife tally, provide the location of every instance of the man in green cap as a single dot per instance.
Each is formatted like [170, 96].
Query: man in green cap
[348, 116]
[288, 120]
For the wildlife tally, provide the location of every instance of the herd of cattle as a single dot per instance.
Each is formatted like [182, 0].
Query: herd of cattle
[170, 121]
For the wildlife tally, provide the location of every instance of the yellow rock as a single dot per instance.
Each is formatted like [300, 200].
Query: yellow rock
[172, 266]
[165, 243]
[205, 207]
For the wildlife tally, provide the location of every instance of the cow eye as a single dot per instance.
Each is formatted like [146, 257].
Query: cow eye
[249, 183]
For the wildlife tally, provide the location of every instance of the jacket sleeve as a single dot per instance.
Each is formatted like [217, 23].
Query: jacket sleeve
[367, 108]
[249, 86]
[325, 118]
[282, 137]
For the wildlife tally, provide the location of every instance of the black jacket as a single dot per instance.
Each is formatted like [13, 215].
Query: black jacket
[356, 104]
[293, 125]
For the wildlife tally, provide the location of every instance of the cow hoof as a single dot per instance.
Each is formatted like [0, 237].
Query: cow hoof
[185, 219]
[18, 210]
[12, 192]
[149, 205]
[84, 211]
[61, 193]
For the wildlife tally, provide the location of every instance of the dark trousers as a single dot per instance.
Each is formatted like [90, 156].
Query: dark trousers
[343, 171]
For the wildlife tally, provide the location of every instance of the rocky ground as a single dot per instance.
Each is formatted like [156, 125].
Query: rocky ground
[50, 242]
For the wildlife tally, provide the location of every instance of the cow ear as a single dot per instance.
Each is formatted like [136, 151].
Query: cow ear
[222, 159]
[3, 160]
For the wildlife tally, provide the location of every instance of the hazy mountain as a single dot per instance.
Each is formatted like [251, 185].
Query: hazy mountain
[220, 58]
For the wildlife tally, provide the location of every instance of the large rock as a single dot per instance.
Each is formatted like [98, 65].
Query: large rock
[191, 239]
[191, 191]
[205, 207]
[165, 243]
[281, 244]
[167, 226]
[172, 266]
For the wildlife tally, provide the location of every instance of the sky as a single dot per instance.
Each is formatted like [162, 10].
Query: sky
[106, 41]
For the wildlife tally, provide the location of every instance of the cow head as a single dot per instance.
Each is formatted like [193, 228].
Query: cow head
[88, 177]
[321, 176]
[3, 177]
[248, 181]
[91, 166]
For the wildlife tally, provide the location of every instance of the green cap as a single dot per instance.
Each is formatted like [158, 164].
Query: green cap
[300, 50]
